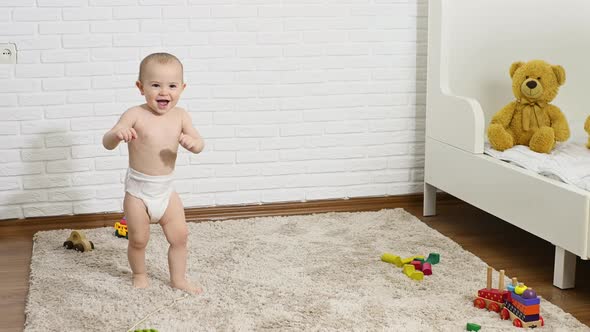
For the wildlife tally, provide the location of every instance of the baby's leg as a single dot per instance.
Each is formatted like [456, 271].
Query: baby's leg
[176, 231]
[138, 224]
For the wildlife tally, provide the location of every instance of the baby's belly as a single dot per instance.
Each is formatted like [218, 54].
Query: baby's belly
[153, 161]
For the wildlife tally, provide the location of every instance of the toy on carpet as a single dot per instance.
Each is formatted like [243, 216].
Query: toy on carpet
[415, 267]
[531, 120]
[77, 241]
[121, 228]
[473, 327]
[517, 302]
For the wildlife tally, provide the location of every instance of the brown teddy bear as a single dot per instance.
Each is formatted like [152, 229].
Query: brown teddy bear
[531, 119]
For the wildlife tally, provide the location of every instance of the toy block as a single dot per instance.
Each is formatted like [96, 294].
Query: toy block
[411, 272]
[433, 258]
[427, 269]
[393, 259]
[417, 264]
[473, 327]
[528, 309]
[410, 259]
[417, 275]
[492, 294]
[520, 315]
[524, 301]
[409, 269]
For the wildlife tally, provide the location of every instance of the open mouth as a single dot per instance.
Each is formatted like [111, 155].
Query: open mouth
[162, 103]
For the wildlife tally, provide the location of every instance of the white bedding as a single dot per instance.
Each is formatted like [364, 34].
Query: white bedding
[568, 162]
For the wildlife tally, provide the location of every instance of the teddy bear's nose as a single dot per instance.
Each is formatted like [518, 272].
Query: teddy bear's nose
[531, 84]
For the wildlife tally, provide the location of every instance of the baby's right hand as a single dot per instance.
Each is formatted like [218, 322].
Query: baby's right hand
[126, 134]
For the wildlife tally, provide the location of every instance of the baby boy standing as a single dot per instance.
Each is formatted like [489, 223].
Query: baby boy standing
[153, 132]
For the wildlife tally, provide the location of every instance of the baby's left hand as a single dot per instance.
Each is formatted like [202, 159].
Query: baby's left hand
[187, 142]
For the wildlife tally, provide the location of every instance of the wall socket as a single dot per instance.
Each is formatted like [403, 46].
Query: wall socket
[7, 54]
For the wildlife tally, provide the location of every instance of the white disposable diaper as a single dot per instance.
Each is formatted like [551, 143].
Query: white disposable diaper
[153, 190]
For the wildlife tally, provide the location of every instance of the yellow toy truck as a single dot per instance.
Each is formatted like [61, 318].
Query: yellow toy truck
[121, 228]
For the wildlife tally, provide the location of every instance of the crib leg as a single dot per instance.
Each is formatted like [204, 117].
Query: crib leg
[564, 272]
[429, 200]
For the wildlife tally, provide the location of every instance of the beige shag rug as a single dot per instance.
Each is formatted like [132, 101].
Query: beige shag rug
[313, 272]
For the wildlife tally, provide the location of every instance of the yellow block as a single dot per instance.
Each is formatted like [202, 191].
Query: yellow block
[391, 258]
[410, 271]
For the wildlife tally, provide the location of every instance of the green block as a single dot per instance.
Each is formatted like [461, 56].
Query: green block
[433, 258]
[473, 327]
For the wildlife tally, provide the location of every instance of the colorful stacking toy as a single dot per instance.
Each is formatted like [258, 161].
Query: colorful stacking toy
[517, 302]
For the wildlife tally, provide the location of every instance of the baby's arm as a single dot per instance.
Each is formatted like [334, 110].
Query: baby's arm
[122, 131]
[190, 138]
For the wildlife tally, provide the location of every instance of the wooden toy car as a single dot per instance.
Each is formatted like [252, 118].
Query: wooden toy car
[121, 228]
[78, 242]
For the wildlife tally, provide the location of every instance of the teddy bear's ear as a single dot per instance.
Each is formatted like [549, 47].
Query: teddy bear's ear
[559, 73]
[514, 67]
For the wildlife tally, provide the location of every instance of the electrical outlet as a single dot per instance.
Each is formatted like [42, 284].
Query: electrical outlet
[7, 54]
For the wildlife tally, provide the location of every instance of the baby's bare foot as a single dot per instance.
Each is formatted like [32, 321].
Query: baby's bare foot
[140, 280]
[188, 286]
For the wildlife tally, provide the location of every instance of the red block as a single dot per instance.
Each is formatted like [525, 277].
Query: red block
[417, 265]
[427, 269]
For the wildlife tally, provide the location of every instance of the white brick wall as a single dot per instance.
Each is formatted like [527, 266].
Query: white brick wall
[297, 100]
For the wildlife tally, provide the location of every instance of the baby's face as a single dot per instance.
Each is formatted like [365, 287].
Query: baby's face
[161, 85]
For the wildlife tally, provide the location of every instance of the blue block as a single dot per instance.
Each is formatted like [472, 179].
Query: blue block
[524, 301]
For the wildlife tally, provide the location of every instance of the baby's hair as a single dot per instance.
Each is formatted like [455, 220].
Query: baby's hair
[161, 58]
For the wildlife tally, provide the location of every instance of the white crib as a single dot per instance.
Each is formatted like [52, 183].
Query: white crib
[471, 44]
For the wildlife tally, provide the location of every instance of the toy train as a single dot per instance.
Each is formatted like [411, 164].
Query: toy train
[517, 302]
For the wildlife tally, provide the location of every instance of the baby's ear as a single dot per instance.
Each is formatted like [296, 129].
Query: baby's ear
[139, 86]
[514, 67]
[559, 73]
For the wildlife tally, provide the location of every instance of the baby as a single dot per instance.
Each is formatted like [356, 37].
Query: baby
[153, 132]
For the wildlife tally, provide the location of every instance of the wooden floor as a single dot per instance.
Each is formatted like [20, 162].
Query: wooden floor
[496, 242]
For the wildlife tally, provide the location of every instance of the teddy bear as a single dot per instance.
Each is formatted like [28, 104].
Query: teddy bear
[531, 120]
